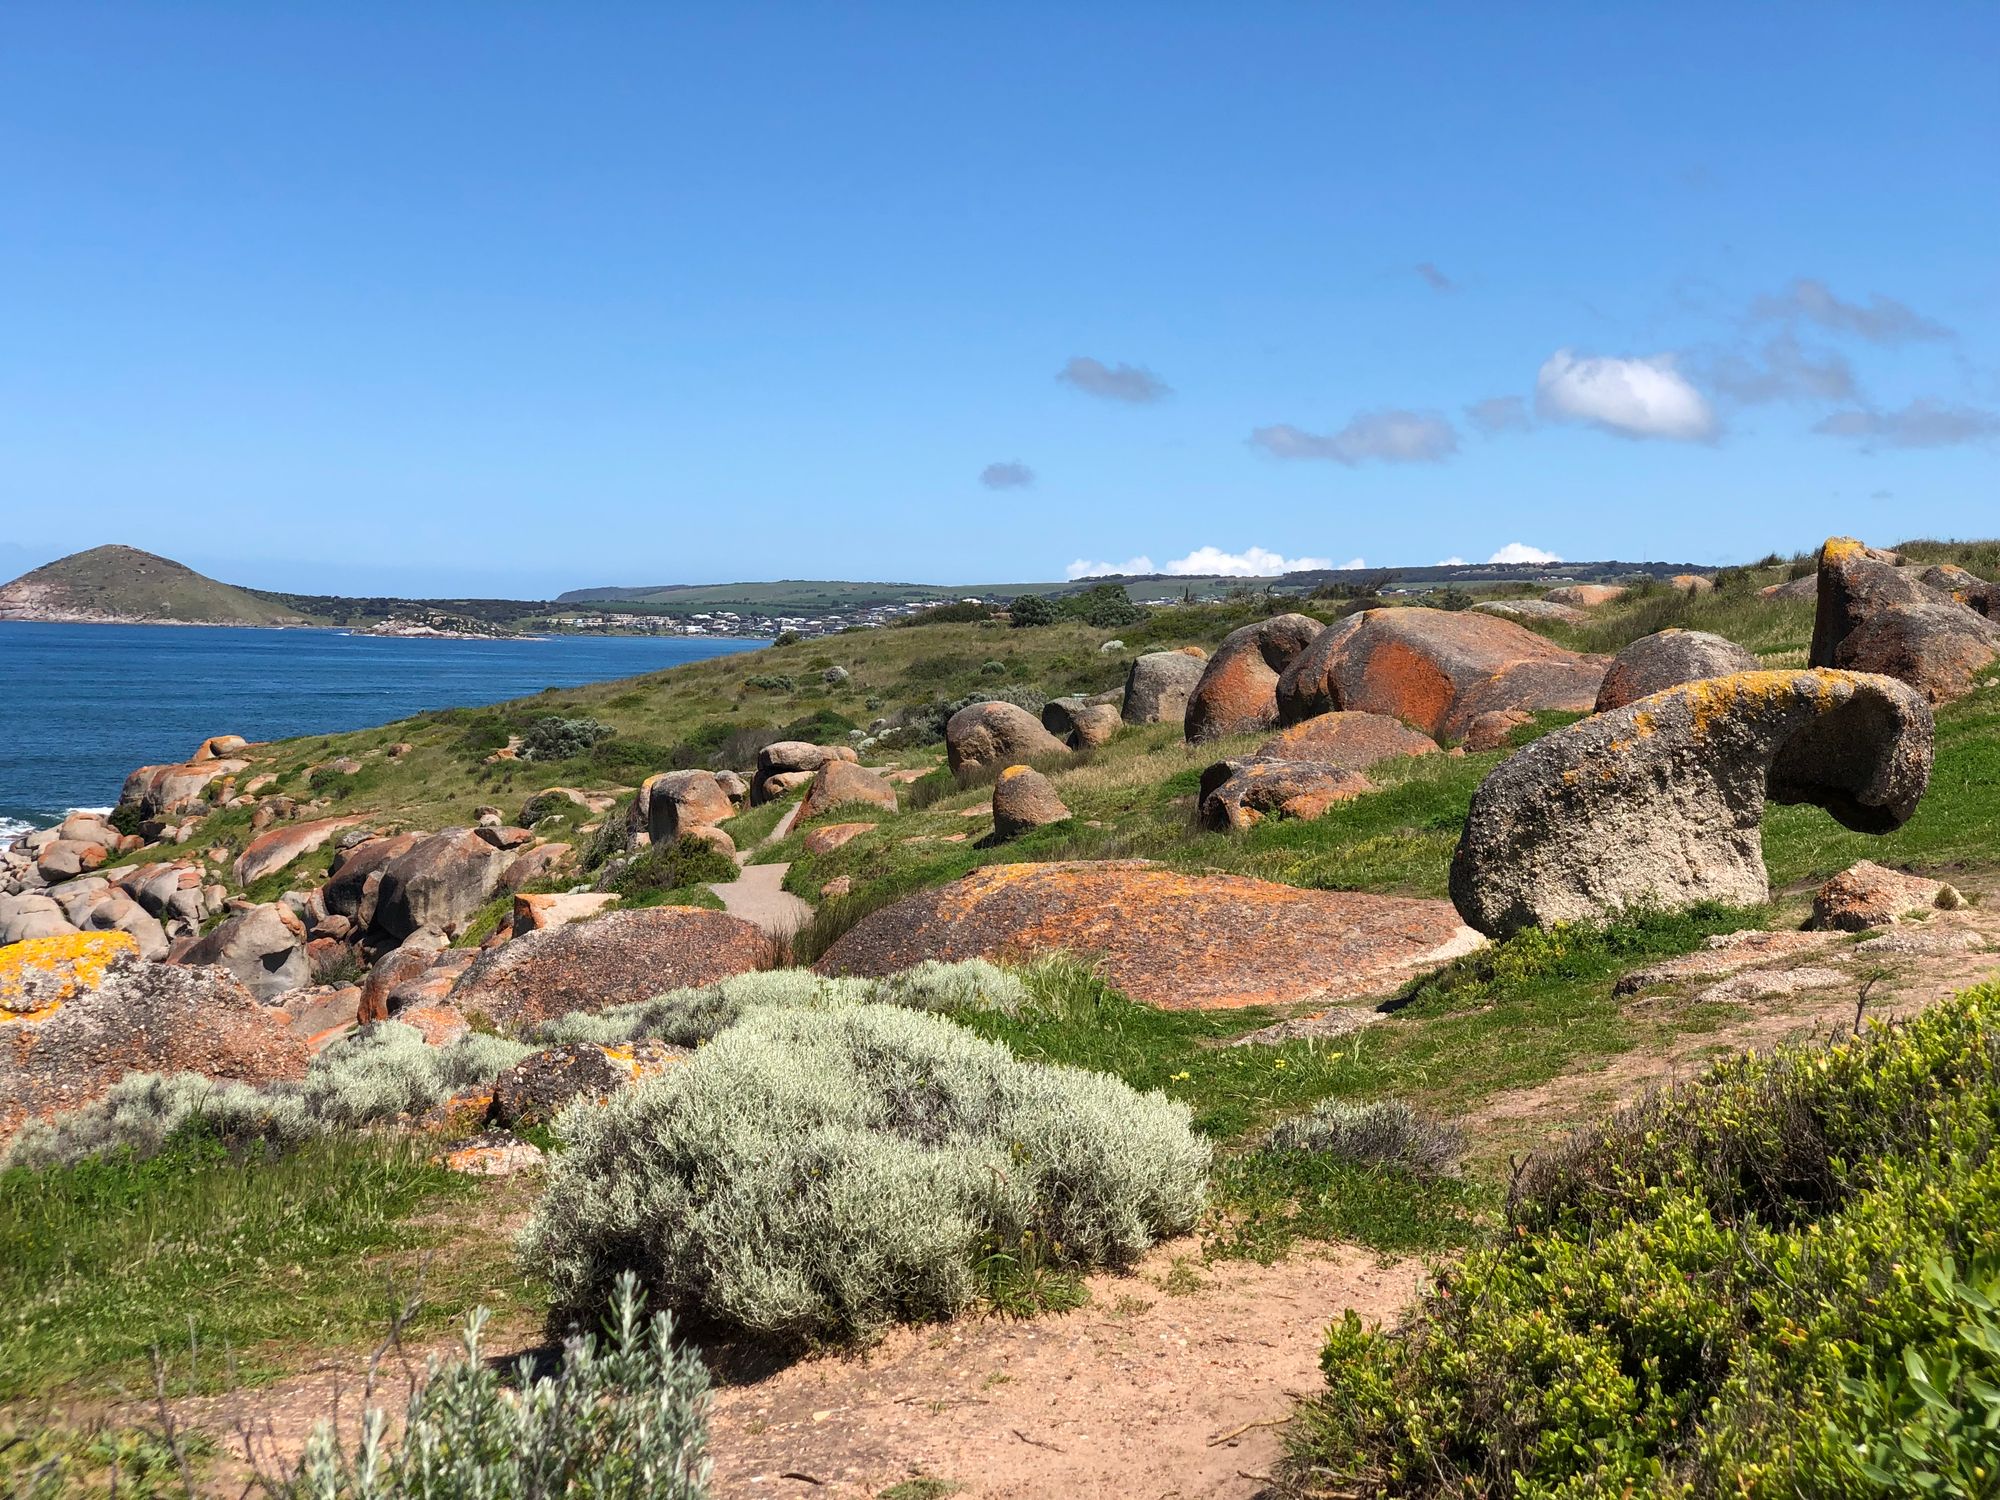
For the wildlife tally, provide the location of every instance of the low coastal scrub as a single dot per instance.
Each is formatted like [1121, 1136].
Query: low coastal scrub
[556, 738]
[689, 1017]
[663, 871]
[1779, 1280]
[818, 1173]
[1384, 1133]
[378, 1073]
[627, 1417]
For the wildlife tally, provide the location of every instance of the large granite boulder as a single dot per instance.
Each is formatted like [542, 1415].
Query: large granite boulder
[1965, 588]
[1159, 684]
[346, 891]
[1024, 799]
[1531, 610]
[1660, 804]
[1872, 617]
[1238, 689]
[986, 734]
[1241, 793]
[262, 947]
[1668, 658]
[1436, 670]
[162, 791]
[789, 763]
[137, 1018]
[1176, 941]
[440, 881]
[679, 802]
[32, 914]
[1347, 741]
[607, 960]
[120, 913]
[841, 783]
[278, 847]
[1586, 595]
[1082, 723]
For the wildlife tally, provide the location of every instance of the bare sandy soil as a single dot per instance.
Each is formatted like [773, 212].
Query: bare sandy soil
[1141, 1393]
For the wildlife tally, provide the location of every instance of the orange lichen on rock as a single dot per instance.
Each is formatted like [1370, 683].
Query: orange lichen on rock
[38, 975]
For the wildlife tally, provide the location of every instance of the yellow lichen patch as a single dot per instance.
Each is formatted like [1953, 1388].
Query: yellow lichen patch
[1837, 547]
[38, 975]
[1717, 698]
[1013, 771]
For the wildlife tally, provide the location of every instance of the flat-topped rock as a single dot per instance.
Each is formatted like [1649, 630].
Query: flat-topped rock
[273, 850]
[1176, 941]
[1347, 741]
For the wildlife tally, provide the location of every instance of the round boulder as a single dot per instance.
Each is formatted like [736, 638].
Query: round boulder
[1158, 685]
[1023, 798]
[1238, 689]
[997, 733]
[1872, 617]
[679, 802]
[1666, 659]
[1080, 723]
[840, 783]
[263, 947]
[1239, 794]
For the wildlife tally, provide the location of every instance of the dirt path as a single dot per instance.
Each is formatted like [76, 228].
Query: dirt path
[758, 893]
[1141, 1393]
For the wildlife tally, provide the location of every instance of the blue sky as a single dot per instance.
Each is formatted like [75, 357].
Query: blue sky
[510, 299]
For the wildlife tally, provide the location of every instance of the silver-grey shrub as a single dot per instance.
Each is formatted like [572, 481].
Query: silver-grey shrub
[624, 1420]
[372, 1075]
[817, 1173]
[689, 1017]
[1386, 1132]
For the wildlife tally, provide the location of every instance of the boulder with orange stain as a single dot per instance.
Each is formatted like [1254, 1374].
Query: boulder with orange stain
[1436, 670]
[1239, 794]
[1348, 741]
[842, 783]
[1237, 692]
[1659, 805]
[1872, 617]
[122, 1017]
[278, 847]
[830, 836]
[1176, 941]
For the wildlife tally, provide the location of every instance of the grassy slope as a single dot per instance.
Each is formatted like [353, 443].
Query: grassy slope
[127, 582]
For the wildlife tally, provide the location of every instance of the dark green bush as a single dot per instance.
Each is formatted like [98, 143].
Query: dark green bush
[653, 871]
[960, 613]
[556, 738]
[771, 682]
[1747, 1285]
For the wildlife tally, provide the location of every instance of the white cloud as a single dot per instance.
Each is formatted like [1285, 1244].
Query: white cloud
[1113, 382]
[1636, 398]
[1924, 423]
[1450, 562]
[1082, 569]
[1352, 565]
[1251, 562]
[1392, 436]
[1007, 476]
[1521, 552]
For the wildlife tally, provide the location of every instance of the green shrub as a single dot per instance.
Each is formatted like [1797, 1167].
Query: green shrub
[1384, 1133]
[771, 682]
[369, 1076]
[819, 1173]
[660, 868]
[554, 738]
[625, 1420]
[959, 613]
[1031, 610]
[126, 818]
[1742, 1286]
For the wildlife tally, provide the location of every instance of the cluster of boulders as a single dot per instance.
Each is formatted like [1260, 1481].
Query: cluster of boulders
[50, 886]
[1657, 800]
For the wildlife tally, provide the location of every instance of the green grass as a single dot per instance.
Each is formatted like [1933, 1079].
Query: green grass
[40, 1462]
[218, 1262]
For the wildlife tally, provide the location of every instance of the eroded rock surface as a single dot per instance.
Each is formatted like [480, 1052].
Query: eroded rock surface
[1659, 804]
[1180, 942]
[1872, 617]
[986, 734]
[1238, 689]
[1666, 659]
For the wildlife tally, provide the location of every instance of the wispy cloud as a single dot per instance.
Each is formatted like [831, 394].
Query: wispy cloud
[1521, 552]
[1113, 382]
[1783, 370]
[1880, 320]
[1924, 423]
[1390, 437]
[1497, 414]
[1435, 279]
[1635, 398]
[1007, 476]
[1453, 561]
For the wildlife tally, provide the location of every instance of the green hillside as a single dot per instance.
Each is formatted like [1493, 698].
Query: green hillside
[122, 583]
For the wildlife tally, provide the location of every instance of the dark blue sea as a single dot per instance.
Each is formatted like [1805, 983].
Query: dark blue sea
[80, 705]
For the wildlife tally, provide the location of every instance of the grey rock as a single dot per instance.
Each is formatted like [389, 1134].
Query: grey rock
[1158, 685]
[997, 734]
[1659, 804]
[264, 947]
[1668, 658]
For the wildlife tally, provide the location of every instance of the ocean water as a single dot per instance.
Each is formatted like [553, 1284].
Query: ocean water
[81, 705]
